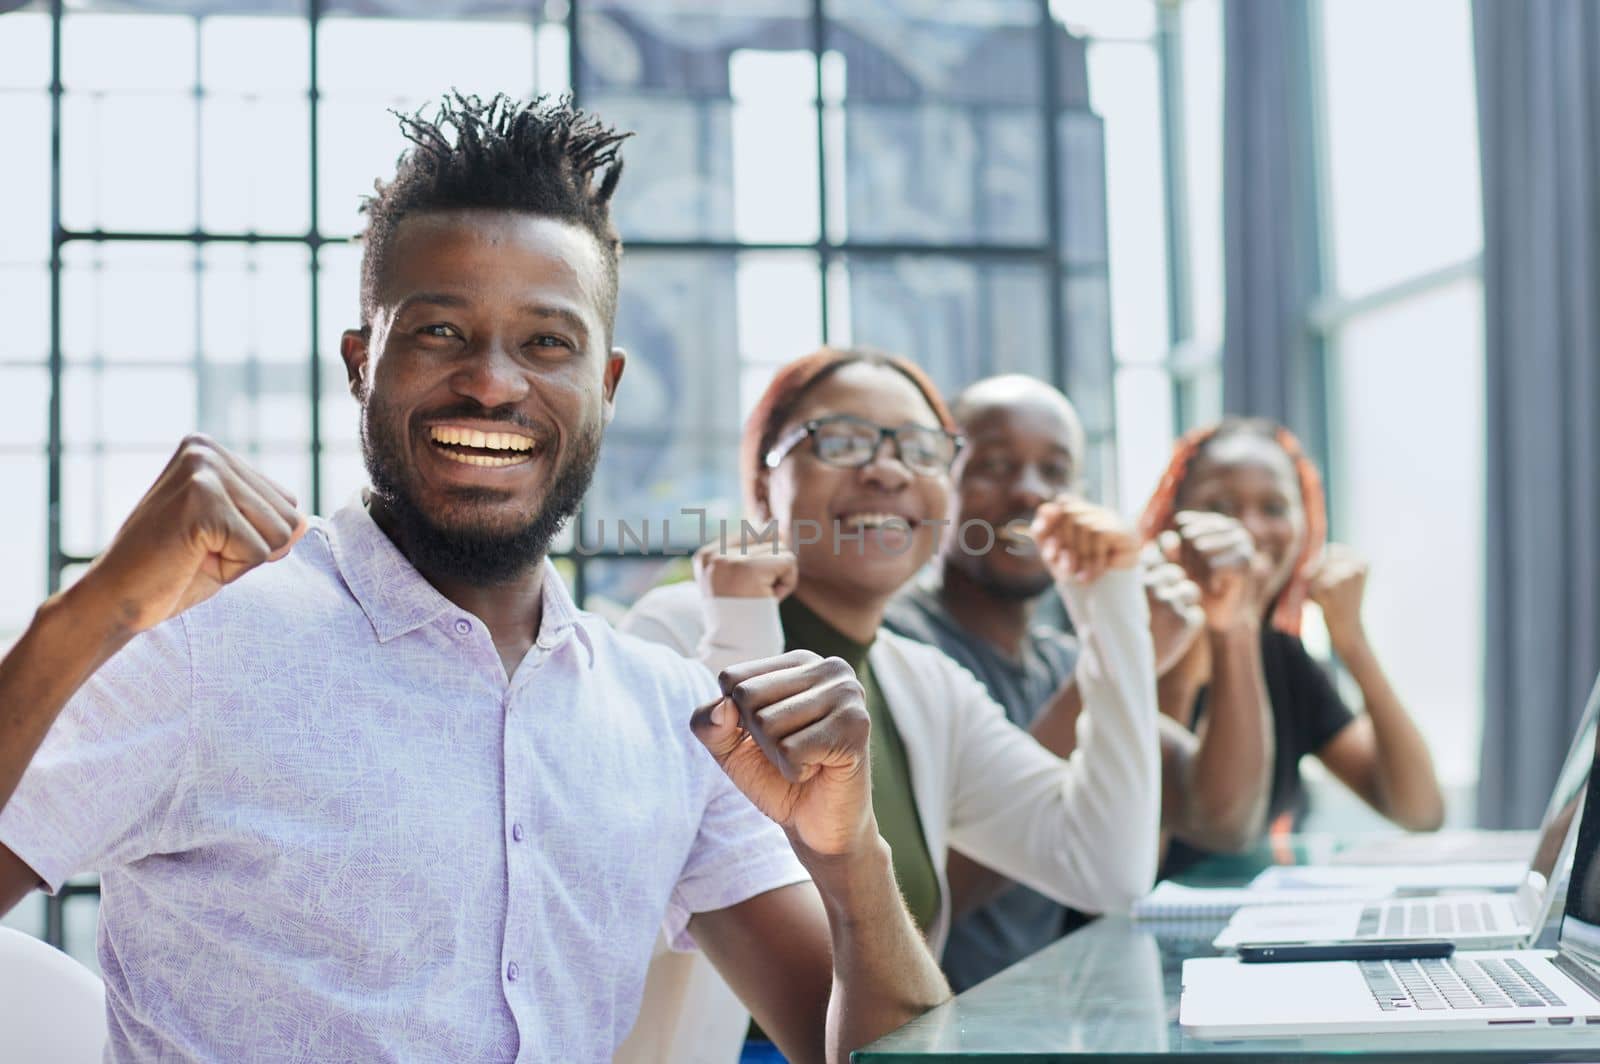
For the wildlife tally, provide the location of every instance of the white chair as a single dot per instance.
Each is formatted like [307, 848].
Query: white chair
[688, 1015]
[52, 1009]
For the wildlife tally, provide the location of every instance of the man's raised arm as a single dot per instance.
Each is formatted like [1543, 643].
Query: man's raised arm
[206, 521]
[824, 969]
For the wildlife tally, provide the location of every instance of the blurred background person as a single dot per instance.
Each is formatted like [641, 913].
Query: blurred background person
[1249, 474]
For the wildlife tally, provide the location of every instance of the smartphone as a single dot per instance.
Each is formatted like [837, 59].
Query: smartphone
[1371, 949]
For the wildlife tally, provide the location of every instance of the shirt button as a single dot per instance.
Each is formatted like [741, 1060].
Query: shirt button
[516, 832]
[512, 971]
[463, 626]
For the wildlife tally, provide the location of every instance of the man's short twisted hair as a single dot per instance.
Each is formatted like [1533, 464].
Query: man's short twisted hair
[544, 157]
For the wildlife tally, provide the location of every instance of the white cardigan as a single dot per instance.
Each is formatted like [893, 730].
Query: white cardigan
[1083, 831]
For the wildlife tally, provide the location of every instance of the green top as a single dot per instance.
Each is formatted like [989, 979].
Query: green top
[892, 798]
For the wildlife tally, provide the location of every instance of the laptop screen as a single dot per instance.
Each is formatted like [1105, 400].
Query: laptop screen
[1569, 788]
[1580, 926]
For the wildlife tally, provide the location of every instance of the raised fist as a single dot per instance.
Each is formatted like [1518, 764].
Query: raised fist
[1176, 616]
[746, 570]
[792, 733]
[1338, 586]
[1217, 553]
[208, 519]
[1079, 540]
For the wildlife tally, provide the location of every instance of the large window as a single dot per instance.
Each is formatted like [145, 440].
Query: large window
[1402, 322]
[927, 179]
[1155, 78]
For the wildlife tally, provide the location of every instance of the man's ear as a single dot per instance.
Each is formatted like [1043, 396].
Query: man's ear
[616, 362]
[354, 349]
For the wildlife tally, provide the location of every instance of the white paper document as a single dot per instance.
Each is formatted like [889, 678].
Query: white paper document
[1399, 879]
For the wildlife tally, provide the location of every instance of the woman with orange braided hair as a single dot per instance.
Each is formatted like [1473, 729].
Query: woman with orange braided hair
[1250, 476]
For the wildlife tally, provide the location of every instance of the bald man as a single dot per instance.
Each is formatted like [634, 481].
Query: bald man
[1025, 447]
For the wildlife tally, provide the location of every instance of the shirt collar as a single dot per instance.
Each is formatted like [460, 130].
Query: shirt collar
[396, 598]
[393, 595]
[561, 614]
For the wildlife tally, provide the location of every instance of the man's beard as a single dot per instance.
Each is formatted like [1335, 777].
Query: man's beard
[1005, 586]
[474, 556]
[1014, 589]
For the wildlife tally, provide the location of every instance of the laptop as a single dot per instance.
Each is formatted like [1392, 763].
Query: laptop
[1450, 846]
[1470, 919]
[1482, 990]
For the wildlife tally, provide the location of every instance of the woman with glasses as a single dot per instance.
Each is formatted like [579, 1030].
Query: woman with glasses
[847, 459]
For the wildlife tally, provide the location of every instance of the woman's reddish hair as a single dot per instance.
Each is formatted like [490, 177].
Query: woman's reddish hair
[1163, 505]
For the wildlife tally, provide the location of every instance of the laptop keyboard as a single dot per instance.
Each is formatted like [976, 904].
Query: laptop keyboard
[1421, 918]
[1457, 983]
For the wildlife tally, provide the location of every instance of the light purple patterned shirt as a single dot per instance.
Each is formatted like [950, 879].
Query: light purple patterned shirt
[328, 828]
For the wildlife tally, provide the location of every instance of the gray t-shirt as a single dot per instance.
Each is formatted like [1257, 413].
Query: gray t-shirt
[1020, 921]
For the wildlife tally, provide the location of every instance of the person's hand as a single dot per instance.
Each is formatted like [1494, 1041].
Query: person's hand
[1176, 616]
[1338, 585]
[792, 732]
[1217, 553]
[208, 519]
[1080, 541]
[762, 569]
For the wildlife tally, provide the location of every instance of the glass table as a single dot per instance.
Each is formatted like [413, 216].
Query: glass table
[1110, 992]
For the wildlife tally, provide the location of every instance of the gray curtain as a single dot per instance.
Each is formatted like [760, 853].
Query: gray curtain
[1538, 64]
[1270, 365]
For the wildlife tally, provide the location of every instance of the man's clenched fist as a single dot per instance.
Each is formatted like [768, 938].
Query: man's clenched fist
[1079, 540]
[208, 519]
[792, 733]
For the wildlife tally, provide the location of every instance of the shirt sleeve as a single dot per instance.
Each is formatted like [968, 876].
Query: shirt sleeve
[738, 852]
[98, 792]
[1322, 711]
[659, 618]
[716, 632]
[1083, 831]
[739, 630]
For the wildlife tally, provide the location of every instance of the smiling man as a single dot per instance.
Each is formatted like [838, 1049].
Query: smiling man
[372, 787]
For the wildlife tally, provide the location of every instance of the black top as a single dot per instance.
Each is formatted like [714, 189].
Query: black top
[1306, 712]
[1020, 921]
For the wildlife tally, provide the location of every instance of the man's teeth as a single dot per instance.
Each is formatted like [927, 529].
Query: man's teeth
[487, 441]
[876, 520]
[482, 459]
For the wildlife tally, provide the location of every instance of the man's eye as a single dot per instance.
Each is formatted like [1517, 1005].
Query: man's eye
[439, 329]
[551, 341]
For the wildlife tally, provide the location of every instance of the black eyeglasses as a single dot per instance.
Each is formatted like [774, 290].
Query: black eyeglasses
[850, 442]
